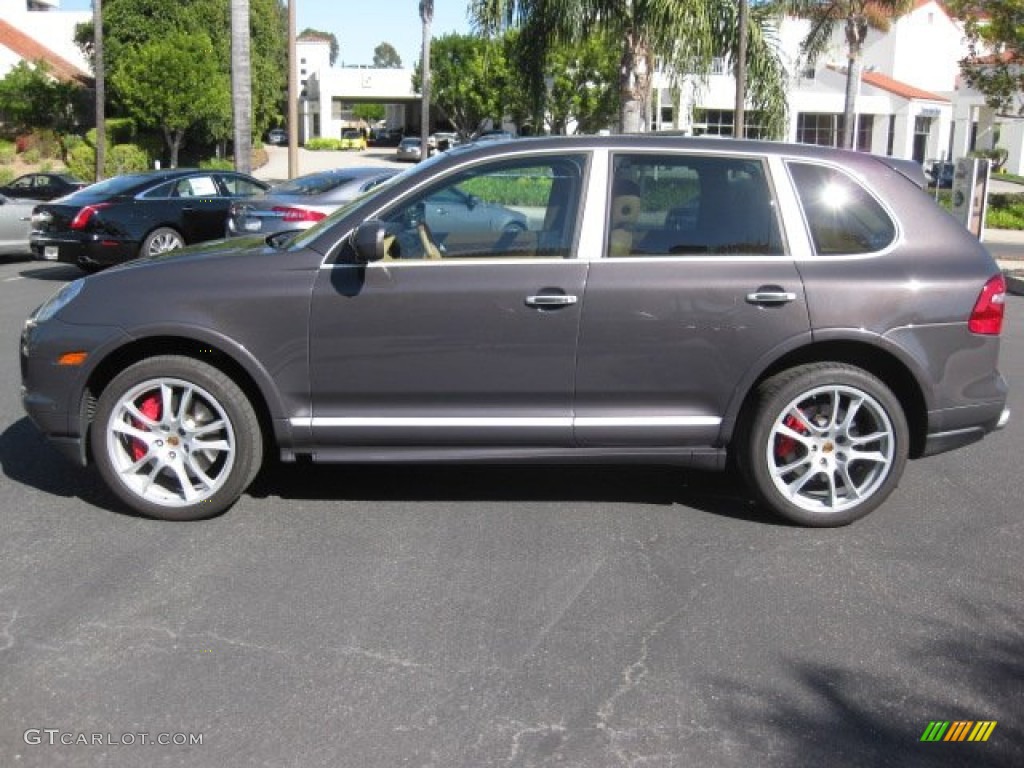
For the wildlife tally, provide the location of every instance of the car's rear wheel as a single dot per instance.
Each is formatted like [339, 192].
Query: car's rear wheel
[825, 444]
[161, 240]
[176, 439]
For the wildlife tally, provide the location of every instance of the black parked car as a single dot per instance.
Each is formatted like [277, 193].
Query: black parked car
[42, 186]
[810, 313]
[137, 214]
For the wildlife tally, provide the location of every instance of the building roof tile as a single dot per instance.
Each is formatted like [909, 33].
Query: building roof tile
[32, 50]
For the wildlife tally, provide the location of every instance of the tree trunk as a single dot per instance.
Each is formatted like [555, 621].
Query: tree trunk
[634, 83]
[101, 89]
[241, 85]
[850, 105]
[427, 17]
[740, 72]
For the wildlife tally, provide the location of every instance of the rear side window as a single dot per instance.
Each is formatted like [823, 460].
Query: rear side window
[844, 218]
[691, 204]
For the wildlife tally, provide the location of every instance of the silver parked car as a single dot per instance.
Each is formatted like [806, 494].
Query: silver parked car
[810, 314]
[15, 224]
[409, 149]
[303, 201]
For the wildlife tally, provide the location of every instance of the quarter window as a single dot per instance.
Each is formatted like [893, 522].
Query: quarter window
[520, 209]
[670, 206]
[843, 217]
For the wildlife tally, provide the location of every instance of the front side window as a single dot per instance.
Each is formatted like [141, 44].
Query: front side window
[691, 204]
[505, 209]
[843, 217]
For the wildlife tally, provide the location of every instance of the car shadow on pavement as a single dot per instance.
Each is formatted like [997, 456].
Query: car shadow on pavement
[26, 458]
[718, 493]
[56, 272]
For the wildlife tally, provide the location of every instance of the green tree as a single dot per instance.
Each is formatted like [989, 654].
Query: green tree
[32, 98]
[995, 34]
[684, 36]
[856, 17]
[330, 37]
[469, 76]
[386, 57]
[173, 84]
[371, 113]
[583, 85]
[129, 24]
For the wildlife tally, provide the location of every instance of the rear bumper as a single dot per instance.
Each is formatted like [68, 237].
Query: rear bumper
[951, 439]
[88, 249]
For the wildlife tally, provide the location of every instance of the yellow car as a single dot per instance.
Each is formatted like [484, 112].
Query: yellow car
[353, 139]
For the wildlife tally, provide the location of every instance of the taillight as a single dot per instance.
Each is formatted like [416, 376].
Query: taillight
[987, 315]
[298, 214]
[83, 216]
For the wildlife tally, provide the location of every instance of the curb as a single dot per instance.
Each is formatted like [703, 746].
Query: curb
[1014, 281]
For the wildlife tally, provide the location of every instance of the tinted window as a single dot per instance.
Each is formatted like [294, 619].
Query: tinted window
[504, 209]
[669, 206]
[843, 216]
[161, 190]
[237, 186]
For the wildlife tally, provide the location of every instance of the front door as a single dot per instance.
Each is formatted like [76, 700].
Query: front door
[439, 346]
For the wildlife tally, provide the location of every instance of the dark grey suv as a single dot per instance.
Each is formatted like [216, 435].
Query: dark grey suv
[810, 314]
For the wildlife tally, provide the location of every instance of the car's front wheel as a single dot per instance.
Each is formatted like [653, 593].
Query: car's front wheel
[175, 438]
[825, 443]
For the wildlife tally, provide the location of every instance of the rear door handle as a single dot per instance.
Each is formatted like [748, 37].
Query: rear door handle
[550, 300]
[770, 295]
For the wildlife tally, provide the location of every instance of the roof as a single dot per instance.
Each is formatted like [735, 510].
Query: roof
[886, 83]
[32, 50]
[904, 90]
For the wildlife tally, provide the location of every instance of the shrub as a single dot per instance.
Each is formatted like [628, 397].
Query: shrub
[322, 143]
[31, 156]
[125, 158]
[6, 175]
[82, 161]
[7, 152]
[217, 164]
[119, 130]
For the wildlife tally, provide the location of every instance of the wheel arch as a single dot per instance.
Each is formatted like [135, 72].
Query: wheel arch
[882, 362]
[253, 383]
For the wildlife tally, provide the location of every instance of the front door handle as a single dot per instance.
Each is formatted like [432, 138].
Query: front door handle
[770, 295]
[551, 300]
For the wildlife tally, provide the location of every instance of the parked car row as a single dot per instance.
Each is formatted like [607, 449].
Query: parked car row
[808, 314]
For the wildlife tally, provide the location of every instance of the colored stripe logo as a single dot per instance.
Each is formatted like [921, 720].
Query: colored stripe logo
[958, 730]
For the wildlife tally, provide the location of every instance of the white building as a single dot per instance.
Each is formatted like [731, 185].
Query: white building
[37, 29]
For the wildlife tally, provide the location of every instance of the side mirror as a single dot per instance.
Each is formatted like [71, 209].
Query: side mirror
[367, 241]
[472, 201]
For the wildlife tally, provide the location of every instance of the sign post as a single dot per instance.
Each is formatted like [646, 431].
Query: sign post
[970, 193]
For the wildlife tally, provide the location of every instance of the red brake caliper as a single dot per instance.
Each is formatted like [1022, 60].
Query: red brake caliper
[150, 408]
[785, 445]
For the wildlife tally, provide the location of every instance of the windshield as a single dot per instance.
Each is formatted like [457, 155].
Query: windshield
[314, 184]
[303, 238]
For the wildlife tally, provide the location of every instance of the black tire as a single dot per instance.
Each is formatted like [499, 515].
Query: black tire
[189, 465]
[803, 463]
[161, 240]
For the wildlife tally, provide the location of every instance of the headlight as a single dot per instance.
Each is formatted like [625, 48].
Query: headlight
[58, 301]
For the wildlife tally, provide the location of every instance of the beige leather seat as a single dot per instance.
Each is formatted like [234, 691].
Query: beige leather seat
[625, 213]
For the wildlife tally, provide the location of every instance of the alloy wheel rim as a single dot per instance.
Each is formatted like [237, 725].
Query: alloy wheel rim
[164, 243]
[171, 442]
[831, 449]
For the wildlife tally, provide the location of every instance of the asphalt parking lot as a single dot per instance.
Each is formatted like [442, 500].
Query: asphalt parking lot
[483, 616]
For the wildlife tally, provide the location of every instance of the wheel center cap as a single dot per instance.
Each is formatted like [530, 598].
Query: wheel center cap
[172, 440]
[828, 447]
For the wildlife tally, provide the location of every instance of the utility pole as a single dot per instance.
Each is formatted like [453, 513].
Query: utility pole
[101, 88]
[426, 16]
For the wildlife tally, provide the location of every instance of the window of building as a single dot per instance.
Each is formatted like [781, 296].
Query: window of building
[843, 217]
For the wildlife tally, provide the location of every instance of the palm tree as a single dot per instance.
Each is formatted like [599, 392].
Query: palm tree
[241, 85]
[683, 37]
[101, 88]
[426, 17]
[857, 17]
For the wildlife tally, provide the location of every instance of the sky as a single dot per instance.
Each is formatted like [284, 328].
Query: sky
[362, 25]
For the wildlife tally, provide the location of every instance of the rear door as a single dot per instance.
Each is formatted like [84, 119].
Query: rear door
[695, 291]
